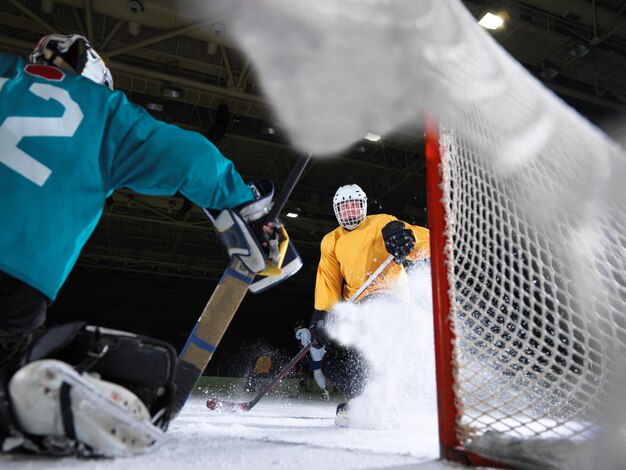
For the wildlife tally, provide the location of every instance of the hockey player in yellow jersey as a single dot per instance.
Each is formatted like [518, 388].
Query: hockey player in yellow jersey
[349, 255]
[355, 249]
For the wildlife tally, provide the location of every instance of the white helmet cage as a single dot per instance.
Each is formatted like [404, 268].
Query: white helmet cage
[350, 206]
[76, 52]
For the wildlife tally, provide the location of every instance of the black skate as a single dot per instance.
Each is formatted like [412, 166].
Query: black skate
[342, 419]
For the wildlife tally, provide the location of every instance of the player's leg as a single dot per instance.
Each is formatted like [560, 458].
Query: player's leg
[348, 371]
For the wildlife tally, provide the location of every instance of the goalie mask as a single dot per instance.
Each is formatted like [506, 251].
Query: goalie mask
[72, 53]
[350, 205]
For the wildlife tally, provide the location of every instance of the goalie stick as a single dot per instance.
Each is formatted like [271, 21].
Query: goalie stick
[219, 404]
[222, 306]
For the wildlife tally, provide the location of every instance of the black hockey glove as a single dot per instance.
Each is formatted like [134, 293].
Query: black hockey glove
[319, 335]
[399, 240]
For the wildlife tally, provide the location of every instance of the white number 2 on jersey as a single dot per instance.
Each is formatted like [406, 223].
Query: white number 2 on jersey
[14, 128]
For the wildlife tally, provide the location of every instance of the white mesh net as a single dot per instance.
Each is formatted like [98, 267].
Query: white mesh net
[537, 276]
[535, 220]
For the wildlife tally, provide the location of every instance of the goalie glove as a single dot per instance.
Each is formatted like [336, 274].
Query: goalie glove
[248, 235]
[399, 240]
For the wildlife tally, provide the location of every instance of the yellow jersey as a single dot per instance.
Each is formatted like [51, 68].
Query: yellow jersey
[349, 257]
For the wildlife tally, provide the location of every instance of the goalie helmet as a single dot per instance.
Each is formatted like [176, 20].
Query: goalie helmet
[76, 54]
[350, 206]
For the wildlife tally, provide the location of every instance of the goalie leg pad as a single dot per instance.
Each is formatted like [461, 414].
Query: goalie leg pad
[146, 366]
[50, 398]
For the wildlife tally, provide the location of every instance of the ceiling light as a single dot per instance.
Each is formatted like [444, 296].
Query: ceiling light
[155, 107]
[491, 21]
[292, 215]
[171, 93]
[269, 131]
[548, 71]
[579, 50]
[372, 137]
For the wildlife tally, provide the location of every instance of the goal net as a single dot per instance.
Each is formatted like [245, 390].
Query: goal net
[531, 278]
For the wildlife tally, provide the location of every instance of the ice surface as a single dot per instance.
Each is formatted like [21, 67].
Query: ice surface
[276, 434]
[393, 424]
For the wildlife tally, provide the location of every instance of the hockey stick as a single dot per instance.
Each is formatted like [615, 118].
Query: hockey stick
[370, 279]
[218, 404]
[222, 306]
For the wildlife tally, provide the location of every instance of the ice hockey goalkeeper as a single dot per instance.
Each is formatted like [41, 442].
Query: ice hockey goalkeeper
[68, 141]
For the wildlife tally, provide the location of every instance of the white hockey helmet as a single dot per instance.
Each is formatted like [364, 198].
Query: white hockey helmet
[350, 205]
[76, 53]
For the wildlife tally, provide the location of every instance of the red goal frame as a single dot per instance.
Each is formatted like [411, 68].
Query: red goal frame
[450, 447]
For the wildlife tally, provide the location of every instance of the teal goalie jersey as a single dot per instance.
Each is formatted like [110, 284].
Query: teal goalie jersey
[66, 144]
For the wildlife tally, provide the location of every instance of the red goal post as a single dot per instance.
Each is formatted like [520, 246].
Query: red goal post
[447, 410]
[448, 413]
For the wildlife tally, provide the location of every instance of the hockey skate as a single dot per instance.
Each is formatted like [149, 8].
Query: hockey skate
[95, 417]
[342, 419]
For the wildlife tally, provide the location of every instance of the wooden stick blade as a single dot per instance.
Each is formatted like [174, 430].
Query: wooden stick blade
[217, 404]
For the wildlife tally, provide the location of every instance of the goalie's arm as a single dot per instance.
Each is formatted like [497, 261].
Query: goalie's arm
[155, 158]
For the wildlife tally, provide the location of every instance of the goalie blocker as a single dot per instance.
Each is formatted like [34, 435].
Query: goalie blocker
[271, 256]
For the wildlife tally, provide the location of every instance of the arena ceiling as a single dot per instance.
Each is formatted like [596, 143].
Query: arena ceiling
[151, 248]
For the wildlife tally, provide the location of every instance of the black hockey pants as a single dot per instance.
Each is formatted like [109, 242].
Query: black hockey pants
[346, 367]
[22, 308]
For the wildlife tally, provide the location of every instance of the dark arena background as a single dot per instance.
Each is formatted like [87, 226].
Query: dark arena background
[152, 263]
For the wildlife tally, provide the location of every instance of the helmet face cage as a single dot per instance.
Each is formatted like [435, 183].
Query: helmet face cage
[77, 53]
[350, 206]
